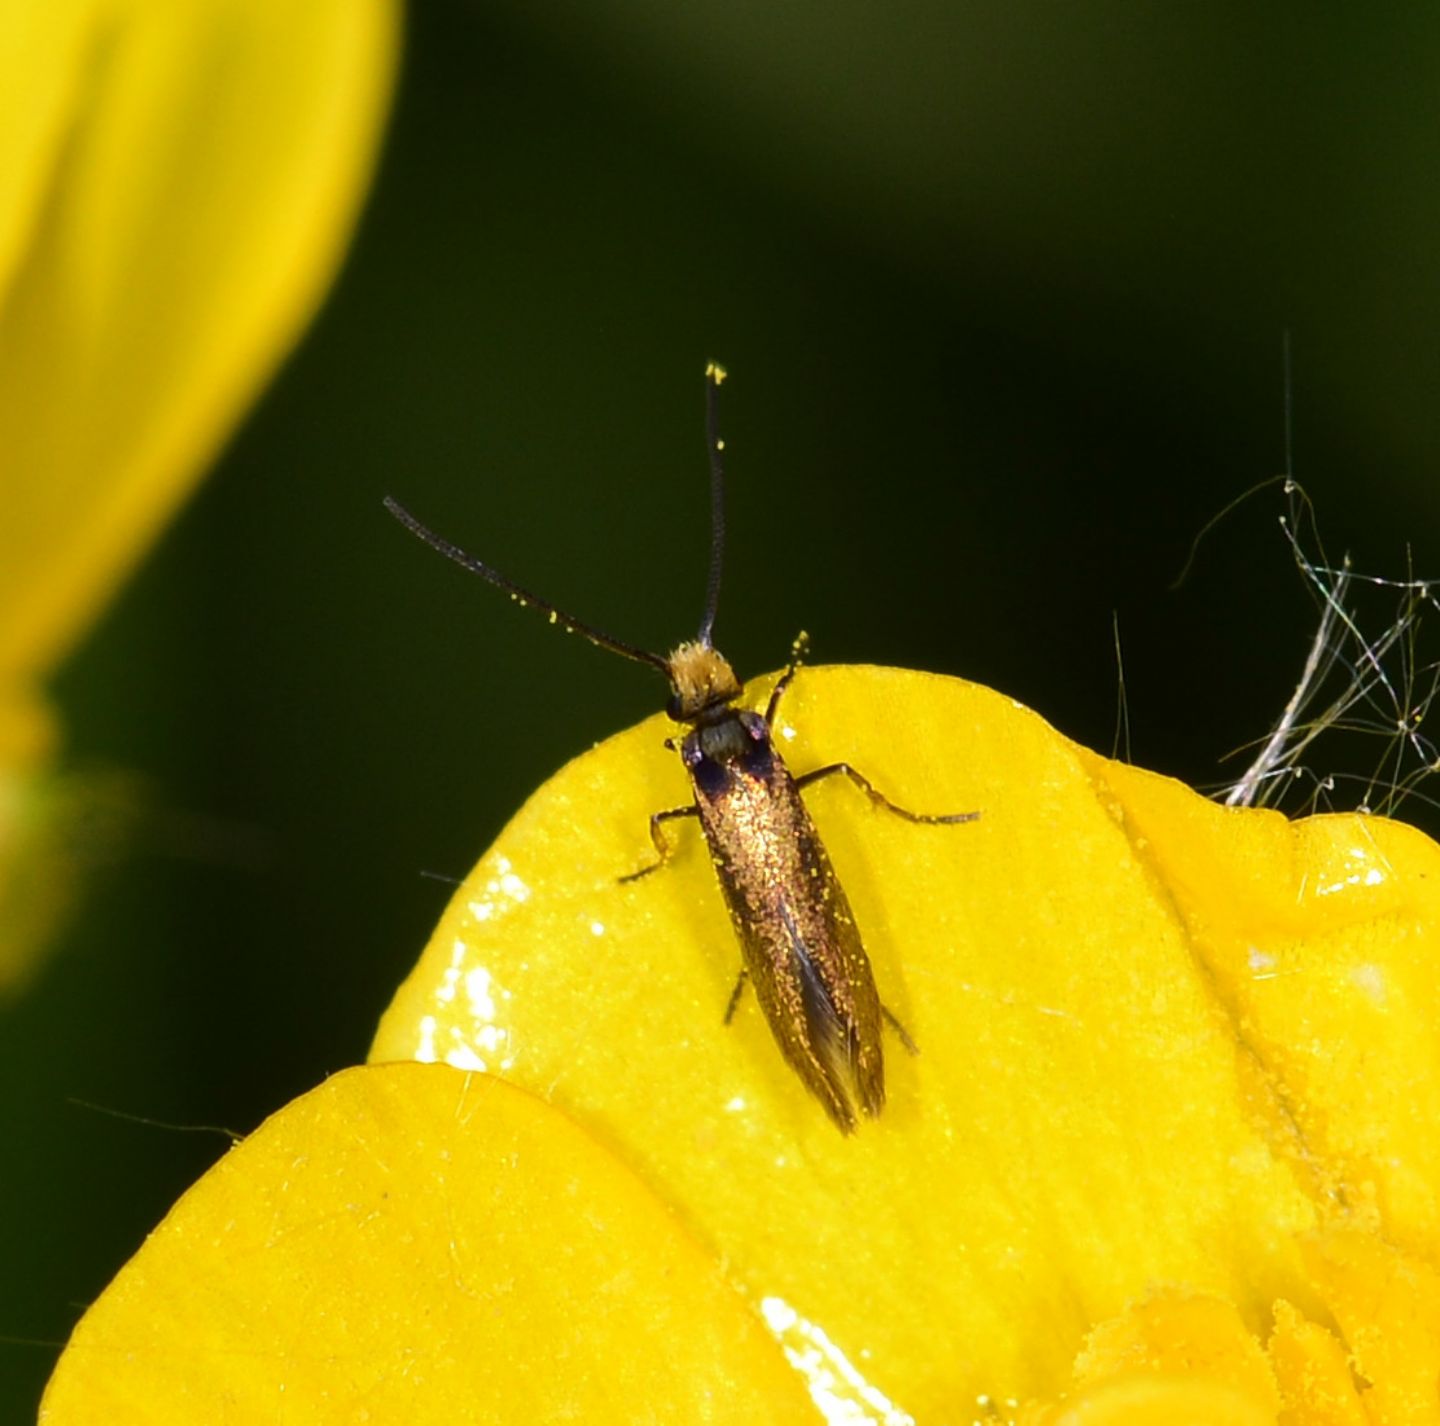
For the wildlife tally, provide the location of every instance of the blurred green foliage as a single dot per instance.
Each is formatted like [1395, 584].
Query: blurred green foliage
[1001, 291]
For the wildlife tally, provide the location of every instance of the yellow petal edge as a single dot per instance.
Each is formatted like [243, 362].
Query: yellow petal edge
[409, 1244]
[1170, 1053]
[181, 179]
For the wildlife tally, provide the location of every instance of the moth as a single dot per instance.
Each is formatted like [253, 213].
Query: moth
[800, 945]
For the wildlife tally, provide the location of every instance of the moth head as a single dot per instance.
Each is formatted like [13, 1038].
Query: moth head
[700, 680]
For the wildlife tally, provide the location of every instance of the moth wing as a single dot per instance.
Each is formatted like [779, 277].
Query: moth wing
[833, 1038]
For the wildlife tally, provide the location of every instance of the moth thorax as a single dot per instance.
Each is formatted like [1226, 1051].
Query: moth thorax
[700, 679]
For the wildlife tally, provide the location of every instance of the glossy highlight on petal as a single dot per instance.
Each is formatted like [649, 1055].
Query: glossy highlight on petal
[1162, 1045]
[412, 1244]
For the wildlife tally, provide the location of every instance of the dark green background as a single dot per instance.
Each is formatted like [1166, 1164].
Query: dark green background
[1002, 294]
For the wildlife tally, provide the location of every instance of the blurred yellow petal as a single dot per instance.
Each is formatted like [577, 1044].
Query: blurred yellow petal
[53, 831]
[177, 182]
[1162, 1044]
[27, 734]
[41, 59]
[186, 173]
[30, 898]
[410, 1244]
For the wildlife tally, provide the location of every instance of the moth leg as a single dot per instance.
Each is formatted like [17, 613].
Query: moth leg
[735, 994]
[899, 1029]
[876, 796]
[798, 650]
[657, 819]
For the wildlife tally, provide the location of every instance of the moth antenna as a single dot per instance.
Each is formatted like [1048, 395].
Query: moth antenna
[568, 622]
[714, 376]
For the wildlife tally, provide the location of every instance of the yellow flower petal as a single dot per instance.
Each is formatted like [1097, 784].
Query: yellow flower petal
[1313, 1372]
[1184, 1336]
[1161, 1041]
[179, 178]
[32, 893]
[410, 1244]
[1160, 1401]
[41, 62]
[1388, 1306]
[1318, 940]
